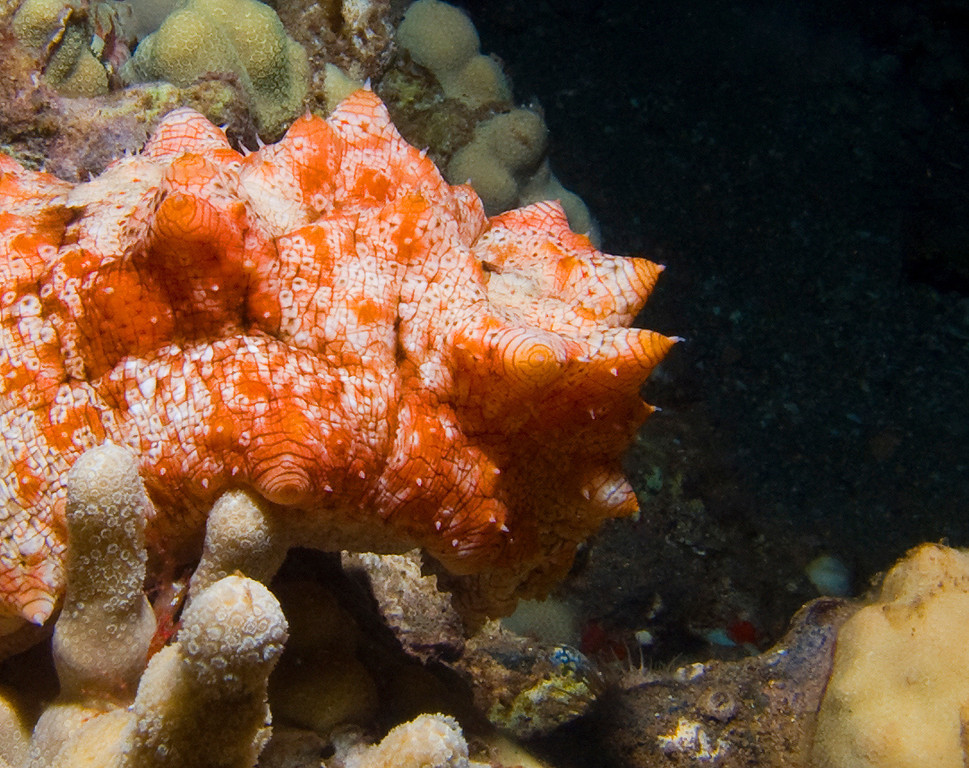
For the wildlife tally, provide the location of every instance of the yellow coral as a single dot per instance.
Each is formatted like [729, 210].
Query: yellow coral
[442, 38]
[503, 161]
[102, 636]
[14, 730]
[428, 741]
[899, 693]
[50, 27]
[502, 153]
[240, 535]
[319, 683]
[200, 701]
[242, 38]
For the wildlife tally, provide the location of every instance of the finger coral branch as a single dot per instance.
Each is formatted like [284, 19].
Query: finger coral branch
[202, 701]
[240, 535]
[102, 635]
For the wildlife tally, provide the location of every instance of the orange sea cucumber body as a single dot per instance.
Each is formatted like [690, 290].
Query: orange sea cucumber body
[326, 321]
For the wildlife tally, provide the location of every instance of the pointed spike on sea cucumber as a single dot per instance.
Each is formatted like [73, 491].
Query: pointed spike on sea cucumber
[362, 110]
[378, 163]
[643, 277]
[29, 584]
[185, 130]
[650, 347]
[622, 358]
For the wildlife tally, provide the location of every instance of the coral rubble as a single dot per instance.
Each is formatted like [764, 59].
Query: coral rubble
[736, 714]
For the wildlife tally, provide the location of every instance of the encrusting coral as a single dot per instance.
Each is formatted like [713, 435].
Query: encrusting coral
[327, 323]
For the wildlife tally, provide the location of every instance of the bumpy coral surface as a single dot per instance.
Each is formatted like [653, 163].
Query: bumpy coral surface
[330, 324]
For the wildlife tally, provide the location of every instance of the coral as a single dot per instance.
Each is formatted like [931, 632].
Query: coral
[504, 147]
[201, 700]
[240, 38]
[102, 636]
[14, 730]
[330, 324]
[241, 535]
[898, 696]
[319, 684]
[503, 160]
[442, 38]
[81, 42]
[428, 741]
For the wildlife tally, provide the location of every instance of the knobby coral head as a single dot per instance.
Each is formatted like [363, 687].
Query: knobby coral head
[327, 322]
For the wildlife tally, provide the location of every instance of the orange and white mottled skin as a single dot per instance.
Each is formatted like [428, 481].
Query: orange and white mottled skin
[327, 322]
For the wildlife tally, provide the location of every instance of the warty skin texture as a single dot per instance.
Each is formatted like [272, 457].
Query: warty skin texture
[326, 322]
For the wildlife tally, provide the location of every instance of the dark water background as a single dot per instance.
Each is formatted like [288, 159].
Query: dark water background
[801, 168]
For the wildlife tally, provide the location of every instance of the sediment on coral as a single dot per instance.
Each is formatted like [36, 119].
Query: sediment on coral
[346, 41]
